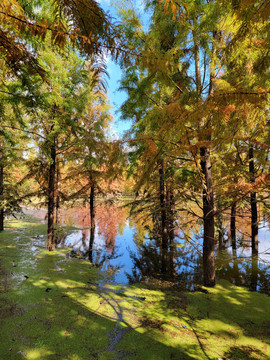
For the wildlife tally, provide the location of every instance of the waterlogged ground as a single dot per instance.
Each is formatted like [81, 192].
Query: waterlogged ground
[127, 248]
[56, 307]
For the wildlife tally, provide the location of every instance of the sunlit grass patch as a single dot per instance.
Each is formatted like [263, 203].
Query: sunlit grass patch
[53, 306]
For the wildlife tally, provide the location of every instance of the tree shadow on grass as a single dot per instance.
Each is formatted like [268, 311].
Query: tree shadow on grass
[66, 315]
[226, 318]
[244, 353]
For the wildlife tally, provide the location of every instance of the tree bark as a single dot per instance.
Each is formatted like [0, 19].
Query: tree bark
[253, 204]
[51, 199]
[92, 219]
[209, 272]
[57, 204]
[163, 215]
[209, 268]
[208, 220]
[254, 272]
[236, 274]
[1, 196]
[170, 215]
[232, 226]
[220, 230]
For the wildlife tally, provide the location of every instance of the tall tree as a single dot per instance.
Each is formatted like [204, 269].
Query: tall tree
[188, 52]
[56, 118]
[167, 60]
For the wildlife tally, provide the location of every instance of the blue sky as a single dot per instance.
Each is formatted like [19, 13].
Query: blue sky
[116, 97]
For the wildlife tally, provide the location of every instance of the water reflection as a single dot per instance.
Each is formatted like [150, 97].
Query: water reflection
[184, 266]
[109, 245]
[129, 249]
[252, 272]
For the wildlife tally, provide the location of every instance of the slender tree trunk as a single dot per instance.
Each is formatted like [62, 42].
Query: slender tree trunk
[232, 226]
[254, 271]
[220, 232]
[220, 228]
[92, 219]
[51, 199]
[164, 229]
[235, 267]
[57, 204]
[253, 204]
[1, 196]
[208, 220]
[208, 197]
[170, 214]
[254, 223]
[209, 268]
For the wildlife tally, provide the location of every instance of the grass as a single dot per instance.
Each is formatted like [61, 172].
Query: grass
[56, 307]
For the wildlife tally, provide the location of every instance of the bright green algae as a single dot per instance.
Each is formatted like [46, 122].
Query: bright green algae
[55, 307]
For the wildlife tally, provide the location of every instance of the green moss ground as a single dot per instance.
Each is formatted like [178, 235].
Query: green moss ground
[54, 307]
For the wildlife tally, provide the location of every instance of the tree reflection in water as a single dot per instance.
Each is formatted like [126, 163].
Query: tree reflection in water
[132, 247]
[184, 261]
[99, 246]
[183, 268]
[186, 271]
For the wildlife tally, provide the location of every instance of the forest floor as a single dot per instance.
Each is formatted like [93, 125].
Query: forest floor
[56, 307]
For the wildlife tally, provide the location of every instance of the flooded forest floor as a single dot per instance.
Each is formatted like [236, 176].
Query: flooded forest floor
[56, 307]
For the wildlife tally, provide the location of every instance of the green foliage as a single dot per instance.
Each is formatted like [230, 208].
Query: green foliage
[177, 109]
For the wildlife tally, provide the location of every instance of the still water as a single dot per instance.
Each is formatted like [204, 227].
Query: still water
[125, 251]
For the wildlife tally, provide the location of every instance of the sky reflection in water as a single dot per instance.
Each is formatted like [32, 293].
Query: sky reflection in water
[122, 249]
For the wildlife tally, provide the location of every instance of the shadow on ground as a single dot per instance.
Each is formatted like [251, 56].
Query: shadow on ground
[54, 307]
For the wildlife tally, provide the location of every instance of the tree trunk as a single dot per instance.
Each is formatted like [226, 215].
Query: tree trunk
[236, 274]
[1, 196]
[170, 214]
[232, 226]
[253, 204]
[51, 200]
[254, 272]
[209, 269]
[209, 272]
[92, 219]
[57, 204]
[208, 219]
[220, 231]
[170, 221]
[164, 229]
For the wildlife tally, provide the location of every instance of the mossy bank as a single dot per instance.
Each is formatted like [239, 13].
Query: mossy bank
[56, 307]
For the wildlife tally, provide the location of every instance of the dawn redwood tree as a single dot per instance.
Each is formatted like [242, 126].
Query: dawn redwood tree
[55, 119]
[180, 53]
[13, 144]
[26, 27]
[150, 166]
[87, 161]
[246, 79]
[151, 170]
[95, 160]
[12, 147]
[189, 50]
